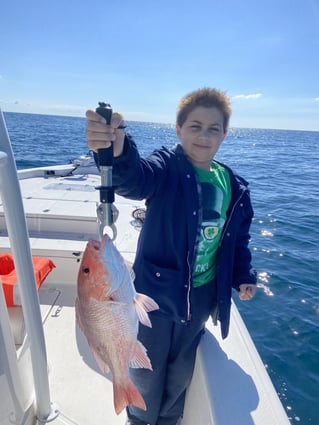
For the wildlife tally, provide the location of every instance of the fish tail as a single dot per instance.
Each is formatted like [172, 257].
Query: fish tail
[143, 304]
[125, 395]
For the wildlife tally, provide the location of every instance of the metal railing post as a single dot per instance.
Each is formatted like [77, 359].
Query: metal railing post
[20, 246]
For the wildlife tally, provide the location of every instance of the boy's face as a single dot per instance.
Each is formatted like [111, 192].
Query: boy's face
[201, 135]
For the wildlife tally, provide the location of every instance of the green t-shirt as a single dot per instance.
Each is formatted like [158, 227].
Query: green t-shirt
[216, 196]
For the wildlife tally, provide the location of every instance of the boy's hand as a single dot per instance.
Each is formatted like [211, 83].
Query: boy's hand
[99, 135]
[247, 291]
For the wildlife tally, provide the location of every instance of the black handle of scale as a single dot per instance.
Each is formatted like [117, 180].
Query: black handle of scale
[105, 155]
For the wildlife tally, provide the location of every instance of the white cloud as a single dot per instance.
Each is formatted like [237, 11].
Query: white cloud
[248, 96]
[316, 99]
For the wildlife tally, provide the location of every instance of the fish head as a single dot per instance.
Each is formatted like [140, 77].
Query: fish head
[117, 269]
[93, 276]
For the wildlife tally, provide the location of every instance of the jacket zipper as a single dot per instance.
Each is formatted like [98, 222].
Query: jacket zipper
[188, 303]
[191, 266]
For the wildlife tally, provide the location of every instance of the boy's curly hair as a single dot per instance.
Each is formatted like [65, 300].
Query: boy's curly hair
[208, 98]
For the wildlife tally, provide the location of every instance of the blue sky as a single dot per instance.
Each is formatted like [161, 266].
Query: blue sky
[142, 56]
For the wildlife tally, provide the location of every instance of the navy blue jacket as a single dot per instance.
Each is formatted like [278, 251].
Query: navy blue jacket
[167, 245]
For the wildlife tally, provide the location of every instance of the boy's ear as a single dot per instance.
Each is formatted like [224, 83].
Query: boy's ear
[178, 131]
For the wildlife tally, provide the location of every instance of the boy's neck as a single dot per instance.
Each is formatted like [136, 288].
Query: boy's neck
[204, 166]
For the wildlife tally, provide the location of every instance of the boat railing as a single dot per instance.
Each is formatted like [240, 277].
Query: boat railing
[20, 246]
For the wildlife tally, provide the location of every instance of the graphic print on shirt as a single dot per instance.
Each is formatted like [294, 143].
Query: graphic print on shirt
[211, 228]
[212, 197]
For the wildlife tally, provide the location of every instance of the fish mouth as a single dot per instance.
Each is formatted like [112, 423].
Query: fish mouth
[99, 245]
[96, 245]
[94, 249]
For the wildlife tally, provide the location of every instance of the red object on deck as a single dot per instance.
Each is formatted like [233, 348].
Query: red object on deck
[41, 266]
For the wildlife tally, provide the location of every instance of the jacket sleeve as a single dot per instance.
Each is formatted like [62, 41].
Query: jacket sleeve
[135, 177]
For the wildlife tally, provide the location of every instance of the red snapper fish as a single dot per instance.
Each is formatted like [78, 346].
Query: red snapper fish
[108, 310]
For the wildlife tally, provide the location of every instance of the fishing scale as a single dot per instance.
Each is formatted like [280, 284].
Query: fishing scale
[106, 212]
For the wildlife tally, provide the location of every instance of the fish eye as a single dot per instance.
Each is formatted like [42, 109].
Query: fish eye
[86, 270]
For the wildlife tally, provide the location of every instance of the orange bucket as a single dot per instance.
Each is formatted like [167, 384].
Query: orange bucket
[42, 267]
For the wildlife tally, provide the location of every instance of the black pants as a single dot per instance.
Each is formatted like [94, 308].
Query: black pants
[171, 347]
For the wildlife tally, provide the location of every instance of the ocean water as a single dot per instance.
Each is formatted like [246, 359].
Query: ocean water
[282, 168]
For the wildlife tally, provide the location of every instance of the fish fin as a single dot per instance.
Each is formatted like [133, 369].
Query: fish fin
[148, 303]
[140, 358]
[128, 394]
[144, 304]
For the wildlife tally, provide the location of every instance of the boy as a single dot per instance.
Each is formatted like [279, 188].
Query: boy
[193, 246]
